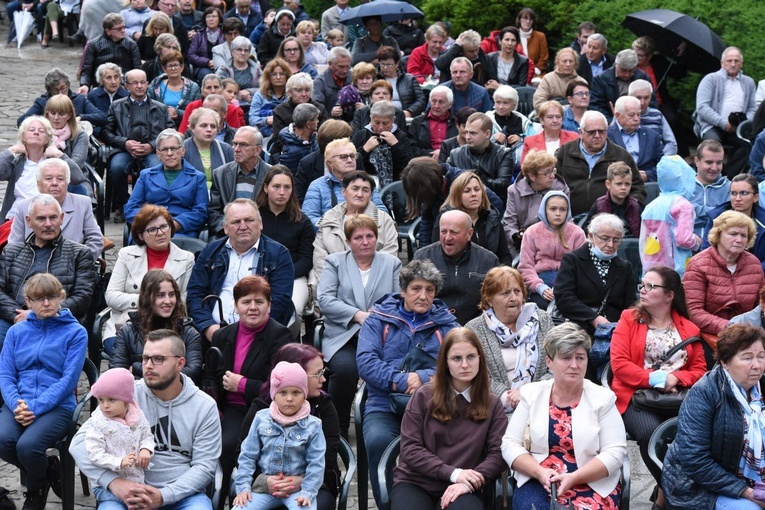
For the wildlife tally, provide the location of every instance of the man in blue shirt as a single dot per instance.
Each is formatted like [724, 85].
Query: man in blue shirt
[467, 93]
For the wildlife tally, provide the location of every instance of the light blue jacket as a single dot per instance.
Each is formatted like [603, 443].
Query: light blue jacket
[297, 449]
[318, 198]
[707, 197]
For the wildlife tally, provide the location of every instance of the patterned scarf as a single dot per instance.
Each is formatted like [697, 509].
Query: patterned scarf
[286, 421]
[602, 267]
[382, 159]
[525, 340]
[752, 463]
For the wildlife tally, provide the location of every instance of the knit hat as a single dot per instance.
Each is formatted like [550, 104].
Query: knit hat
[287, 374]
[116, 383]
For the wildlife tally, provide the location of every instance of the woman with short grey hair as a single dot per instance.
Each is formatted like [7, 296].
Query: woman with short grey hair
[299, 89]
[244, 70]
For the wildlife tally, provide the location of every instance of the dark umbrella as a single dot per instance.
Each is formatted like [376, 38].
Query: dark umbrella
[388, 10]
[669, 29]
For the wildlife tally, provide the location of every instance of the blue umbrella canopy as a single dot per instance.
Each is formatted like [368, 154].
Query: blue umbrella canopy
[388, 10]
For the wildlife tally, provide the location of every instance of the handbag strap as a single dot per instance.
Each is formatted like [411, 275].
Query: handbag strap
[673, 350]
[605, 298]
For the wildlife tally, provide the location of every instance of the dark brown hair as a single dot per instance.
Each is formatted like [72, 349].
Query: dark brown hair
[252, 285]
[147, 321]
[293, 205]
[735, 338]
[671, 281]
[146, 215]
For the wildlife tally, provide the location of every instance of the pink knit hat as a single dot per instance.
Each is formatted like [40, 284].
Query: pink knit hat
[116, 383]
[287, 374]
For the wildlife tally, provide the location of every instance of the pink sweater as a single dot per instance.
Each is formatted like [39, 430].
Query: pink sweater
[541, 251]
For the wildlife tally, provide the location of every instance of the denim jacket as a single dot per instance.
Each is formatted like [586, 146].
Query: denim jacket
[297, 449]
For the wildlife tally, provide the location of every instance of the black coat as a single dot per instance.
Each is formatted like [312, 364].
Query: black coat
[579, 291]
[257, 364]
[519, 73]
[402, 152]
[362, 117]
[128, 348]
[419, 131]
[444, 62]
[296, 236]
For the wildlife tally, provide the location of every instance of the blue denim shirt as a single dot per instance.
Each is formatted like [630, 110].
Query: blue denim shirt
[297, 449]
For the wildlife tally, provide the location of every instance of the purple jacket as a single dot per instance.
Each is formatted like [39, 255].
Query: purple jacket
[198, 53]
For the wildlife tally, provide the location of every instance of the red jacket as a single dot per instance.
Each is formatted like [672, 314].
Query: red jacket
[420, 65]
[715, 296]
[537, 141]
[628, 356]
[234, 115]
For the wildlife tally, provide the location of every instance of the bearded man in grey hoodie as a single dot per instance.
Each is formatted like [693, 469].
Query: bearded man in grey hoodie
[187, 434]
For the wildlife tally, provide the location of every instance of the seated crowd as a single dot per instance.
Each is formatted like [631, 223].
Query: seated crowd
[566, 264]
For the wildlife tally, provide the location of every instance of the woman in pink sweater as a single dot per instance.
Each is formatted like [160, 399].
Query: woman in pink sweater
[544, 245]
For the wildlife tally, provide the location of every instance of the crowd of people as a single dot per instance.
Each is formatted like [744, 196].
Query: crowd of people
[555, 248]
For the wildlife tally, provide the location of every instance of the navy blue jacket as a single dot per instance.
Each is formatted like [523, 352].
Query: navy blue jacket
[651, 148]
[100, 98]
[209, 273]
[604, 89]
[82, 107]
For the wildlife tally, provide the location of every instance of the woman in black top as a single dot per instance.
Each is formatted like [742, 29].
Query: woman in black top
[284, 222]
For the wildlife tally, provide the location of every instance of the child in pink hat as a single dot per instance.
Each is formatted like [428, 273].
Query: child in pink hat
[283, 439]
[117, 430]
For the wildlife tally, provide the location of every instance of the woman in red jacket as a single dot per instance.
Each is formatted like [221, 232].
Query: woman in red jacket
[421, 63]
[644, 334]
[552, 135]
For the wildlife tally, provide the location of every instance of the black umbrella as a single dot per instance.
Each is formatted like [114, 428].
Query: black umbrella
[388, 10]
[670, 29]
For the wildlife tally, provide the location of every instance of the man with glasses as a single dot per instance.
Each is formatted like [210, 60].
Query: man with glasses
[111, 46]
[326, 192]
[644, 145]
[243, 252]
[187, 434]
[132, 126]
[173, 184]
[242, 178]
[46, 250]
[583, 164]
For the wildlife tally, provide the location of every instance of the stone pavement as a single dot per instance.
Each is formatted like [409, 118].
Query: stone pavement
[21, 79]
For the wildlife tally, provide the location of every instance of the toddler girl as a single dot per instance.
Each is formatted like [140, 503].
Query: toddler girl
[286, 439]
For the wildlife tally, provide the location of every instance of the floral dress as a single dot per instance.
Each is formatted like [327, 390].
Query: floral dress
[563, 460]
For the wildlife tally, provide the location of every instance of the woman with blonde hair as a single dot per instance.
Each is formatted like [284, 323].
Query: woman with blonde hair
[554, 84]
[552, 136]
[316, 53]
[468, 194]
[158, 24]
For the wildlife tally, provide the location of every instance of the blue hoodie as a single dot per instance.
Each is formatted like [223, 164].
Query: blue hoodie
[705, 198]
[666, 232]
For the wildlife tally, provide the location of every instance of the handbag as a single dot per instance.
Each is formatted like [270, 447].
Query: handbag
[652, 399]
[600, 352]
[416, 359]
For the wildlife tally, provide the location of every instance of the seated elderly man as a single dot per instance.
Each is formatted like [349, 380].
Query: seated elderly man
[111, 46]
[79, 224]
[614, 82]
[652, 118]
[109, 78]
[383, 146]
[336, 76]
[723, 100]
[132, 126]
[492, 162]
[187, 435]
[175, 185]
[242, 178]
[244, 251]
[462, 263]
[428, 130]
[46, 250]
[325, 192]
[57, 82]
[583, 164]
[468, 46]
[466, 92]
[595, 58]
[644, 145]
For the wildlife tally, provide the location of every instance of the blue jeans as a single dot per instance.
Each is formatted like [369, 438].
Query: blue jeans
[380, 428]
[266, 501]
[198, 501]
[726, 503]
[25, 447]
[118, 172]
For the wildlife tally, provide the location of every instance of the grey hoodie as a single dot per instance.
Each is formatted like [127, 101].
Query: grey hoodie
[188, 443]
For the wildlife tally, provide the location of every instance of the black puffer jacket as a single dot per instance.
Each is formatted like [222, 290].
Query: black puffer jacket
[494, 166]
[128, 348]
[70, 262]
[409, 93]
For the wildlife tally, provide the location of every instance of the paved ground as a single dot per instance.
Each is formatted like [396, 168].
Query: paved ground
[21, 80]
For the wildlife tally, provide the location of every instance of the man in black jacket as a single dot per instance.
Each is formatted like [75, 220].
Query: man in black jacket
[44, 251]
[431, 128]
[111, 46]
[463, 264]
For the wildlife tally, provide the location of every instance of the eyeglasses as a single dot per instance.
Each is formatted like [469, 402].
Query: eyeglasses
[168, 150]
[156, 360]
[387, 64]
[649, 287]
[548, 173]
[319, 374]
[243, 145]
[607, 240]
[173, 66]
[581, 94]
[142, 82]
[742, 194]
[291, 50]
[458, 360]
[60, 90]
[593, 132]
[152, 231]
[43, 299]
[118, 29]
[345, 157]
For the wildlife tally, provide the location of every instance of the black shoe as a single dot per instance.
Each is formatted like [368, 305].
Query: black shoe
[53, 475]
[119, 217]
[6, 503]
[36, 500]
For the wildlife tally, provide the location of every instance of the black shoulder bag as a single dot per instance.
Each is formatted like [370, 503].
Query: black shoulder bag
[652, 399]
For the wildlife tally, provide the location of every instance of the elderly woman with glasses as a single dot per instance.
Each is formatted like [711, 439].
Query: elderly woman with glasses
[552, 135]
[299, 90]
[151, 230]
[173, 89]
[242, 69]
[165, 43]
[173, 184]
